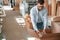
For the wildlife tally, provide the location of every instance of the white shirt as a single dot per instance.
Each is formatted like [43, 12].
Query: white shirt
[34, 17]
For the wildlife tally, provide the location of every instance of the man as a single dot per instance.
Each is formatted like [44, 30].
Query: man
[38, 16]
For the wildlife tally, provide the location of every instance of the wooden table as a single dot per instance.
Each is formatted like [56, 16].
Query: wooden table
[55, 36]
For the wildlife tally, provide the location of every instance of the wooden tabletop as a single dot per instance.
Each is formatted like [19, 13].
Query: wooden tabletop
[55, 36]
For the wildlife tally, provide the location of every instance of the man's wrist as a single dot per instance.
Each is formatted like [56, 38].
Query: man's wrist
[44, 31]
[38, 32]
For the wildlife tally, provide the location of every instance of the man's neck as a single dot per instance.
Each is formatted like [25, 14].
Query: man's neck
[40, 9]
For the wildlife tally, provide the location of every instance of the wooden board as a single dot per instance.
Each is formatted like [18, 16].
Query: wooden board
[58, 8]
[53, 5]
[51, 37]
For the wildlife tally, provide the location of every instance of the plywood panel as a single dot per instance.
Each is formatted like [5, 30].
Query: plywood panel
[53, 4]
[58, 8]
[46, 4]
[49, 10]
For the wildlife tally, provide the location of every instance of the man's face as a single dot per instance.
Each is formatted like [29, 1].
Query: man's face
[40, 7]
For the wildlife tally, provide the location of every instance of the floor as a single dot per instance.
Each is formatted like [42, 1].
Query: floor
[11, 29]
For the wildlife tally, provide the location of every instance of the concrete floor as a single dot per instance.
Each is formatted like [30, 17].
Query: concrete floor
[11, 29]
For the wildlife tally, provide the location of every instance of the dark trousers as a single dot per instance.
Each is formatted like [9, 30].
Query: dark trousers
[40, 26]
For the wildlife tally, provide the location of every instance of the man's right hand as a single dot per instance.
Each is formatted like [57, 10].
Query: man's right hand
[40, 34]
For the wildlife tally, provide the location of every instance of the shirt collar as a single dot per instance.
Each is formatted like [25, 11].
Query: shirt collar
[36, 8]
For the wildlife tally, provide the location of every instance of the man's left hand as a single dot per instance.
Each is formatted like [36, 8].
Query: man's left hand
[44, 31]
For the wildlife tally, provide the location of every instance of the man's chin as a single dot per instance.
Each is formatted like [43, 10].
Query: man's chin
[39, 9]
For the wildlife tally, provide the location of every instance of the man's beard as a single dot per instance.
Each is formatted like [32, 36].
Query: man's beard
[39, 9]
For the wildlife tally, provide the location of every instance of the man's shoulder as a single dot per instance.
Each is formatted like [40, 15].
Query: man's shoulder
[45, 9]
[33, 8]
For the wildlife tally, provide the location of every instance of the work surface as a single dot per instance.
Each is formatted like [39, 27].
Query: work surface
[13, 31]
[57, 23]
[55, 36]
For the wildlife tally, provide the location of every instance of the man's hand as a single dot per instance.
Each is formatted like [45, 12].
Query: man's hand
[40, 34]
[44, 31]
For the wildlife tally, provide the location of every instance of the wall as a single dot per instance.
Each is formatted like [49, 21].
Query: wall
[1, 1]
[5, 2]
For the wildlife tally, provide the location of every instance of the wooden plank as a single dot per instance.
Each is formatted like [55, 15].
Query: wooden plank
[58, 8]
[55, 36]
[53, 4]
[46, 5]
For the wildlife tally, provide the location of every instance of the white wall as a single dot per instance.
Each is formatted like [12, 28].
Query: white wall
[49, 1]
[30, 0]
[1, 1]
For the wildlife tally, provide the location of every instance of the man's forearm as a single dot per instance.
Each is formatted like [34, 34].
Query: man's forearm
[34, 26]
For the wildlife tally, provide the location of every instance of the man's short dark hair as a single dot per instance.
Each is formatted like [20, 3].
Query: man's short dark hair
[41, 1]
